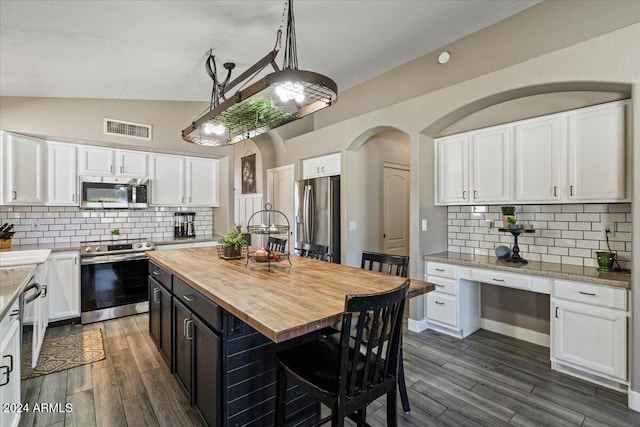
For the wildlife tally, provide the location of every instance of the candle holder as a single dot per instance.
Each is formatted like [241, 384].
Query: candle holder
[515, 252]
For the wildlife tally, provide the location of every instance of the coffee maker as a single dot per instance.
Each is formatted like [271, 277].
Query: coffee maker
[184, 224]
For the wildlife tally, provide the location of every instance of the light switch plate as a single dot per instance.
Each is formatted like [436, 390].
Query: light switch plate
[424, 225]
[353, 225]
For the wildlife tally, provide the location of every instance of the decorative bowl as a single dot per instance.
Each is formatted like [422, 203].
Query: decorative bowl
[503, 252]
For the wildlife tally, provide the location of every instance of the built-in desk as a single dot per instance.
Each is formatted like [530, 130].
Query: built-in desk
[588, 309]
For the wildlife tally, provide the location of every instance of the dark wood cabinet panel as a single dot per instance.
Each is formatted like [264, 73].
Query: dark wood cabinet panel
[206, 372]
[182, 354]
[166, 327]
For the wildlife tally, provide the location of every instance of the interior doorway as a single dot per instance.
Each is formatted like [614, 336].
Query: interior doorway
[280, 191]
[395, 189]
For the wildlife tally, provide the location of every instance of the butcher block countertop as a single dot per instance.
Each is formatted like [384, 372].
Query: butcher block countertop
[284, 303]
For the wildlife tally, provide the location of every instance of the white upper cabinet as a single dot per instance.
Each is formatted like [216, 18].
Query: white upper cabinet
[573, 156]
[62, 176]
[317, 167]
[23, 170]
[202, 182]
[108, 161]
[539, 149]
[596, 153]
[452, 169]
[167, 180]
[491, 165]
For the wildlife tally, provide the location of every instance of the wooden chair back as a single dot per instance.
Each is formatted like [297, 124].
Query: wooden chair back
[397, 265]
[311, 250]
[276, 244]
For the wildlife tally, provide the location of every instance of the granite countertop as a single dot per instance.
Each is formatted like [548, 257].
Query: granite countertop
[533, 268]
[12, 282]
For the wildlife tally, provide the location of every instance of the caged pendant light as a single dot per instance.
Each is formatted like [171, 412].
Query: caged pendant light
[278, 98]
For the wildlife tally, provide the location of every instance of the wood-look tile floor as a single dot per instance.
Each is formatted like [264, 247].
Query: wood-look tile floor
[486, 379]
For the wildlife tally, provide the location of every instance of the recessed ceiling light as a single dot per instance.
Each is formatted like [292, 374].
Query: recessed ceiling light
[444, 57]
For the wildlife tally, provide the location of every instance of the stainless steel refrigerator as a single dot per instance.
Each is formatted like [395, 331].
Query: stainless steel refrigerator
[317, 205]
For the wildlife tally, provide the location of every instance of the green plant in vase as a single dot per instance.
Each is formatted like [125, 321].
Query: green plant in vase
[508, 214]
[115, 233]
[232, 243]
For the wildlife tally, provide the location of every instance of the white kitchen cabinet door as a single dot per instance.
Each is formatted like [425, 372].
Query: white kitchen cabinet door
[23, 170]
[202, 182]
[589, 339]
[490, 165]
[63, 282]
[452, 170]
[10, 368]
[131, 163]
[95, 161]
[596, 154]
[62, 176]
[316, 167]
[540, 147]
[167, 175]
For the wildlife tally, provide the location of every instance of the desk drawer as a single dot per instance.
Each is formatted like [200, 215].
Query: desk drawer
[445, 286]
[603, 296]
[499, 278]
[441, 270]
[442, 308]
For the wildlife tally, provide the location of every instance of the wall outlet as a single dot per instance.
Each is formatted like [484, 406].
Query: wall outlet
[606, 223]
[35, 224]
[424, 225]
[489, 223]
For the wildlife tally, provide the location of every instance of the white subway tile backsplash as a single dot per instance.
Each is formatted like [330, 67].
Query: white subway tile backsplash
[568, 234]
[57, 224]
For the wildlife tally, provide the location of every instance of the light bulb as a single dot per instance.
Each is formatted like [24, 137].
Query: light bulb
[210, 128]
[288, 91]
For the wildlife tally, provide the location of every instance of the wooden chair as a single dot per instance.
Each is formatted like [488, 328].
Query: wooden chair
[344, 379]
[276, 244]
[311, 250]
[397, 265]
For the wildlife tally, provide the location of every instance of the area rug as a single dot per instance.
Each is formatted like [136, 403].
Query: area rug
[59, 354]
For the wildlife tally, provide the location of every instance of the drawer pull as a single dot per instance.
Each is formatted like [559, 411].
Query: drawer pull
[498, 280]
[189, 334]
[439, 303]
[439, 269]
[188, 297]
[6, 372]
[439, 285]
[14, 313]
[591, 294]
[155, 295]
[156, 273]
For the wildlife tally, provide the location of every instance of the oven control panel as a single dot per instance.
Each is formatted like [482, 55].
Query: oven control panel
[122, 247]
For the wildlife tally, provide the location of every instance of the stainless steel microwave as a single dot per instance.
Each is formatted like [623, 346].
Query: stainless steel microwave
[108, 192]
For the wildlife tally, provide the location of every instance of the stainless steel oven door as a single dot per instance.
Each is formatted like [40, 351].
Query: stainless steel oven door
[113, 286]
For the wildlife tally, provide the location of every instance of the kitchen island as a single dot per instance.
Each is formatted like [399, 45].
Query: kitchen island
[246, 314]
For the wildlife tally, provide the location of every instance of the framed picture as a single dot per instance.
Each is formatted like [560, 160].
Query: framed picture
[248, 164]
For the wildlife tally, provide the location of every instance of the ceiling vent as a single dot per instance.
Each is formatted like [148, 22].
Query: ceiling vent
[127, 129]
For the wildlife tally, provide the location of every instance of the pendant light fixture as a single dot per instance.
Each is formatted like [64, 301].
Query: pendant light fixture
[278, 98]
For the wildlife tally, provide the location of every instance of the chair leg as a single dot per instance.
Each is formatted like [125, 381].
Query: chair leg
[281, 396]
[362, 414]
[338, 417]
[392, 410]
[402, 385]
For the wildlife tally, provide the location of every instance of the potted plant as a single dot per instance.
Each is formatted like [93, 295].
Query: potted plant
[513, 223]
[231, 244]
[115, 234]
[508, 214]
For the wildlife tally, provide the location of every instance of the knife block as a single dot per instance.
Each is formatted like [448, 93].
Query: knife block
[5, 244]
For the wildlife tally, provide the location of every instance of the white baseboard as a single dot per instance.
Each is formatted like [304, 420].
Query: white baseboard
[515, 332]
[634, 400]
[418, 325]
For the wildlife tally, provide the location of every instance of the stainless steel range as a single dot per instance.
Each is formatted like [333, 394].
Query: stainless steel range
[113, 279]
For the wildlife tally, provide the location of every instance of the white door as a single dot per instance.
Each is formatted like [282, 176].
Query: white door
[597, 154]
[590, 338]
[95, 161]
[453, 170]
[63, 281]
[490, 160]
[10, 370]
[396, 209]
[280, 189]
[23, 170]
[62, 177]
[131, 163]
[202, 182]
[539, 151]
[167, 180]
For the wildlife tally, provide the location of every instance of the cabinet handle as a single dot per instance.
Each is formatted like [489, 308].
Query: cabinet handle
[439, 269]
[10, 356]
[189, 199]
[439, 303]
[555, 191]
[121, 169]
[464, 194]
[439, 285]
[571, 190]
[14, 313]
[188, 297]
[557, 313]
[111, 168]
[156, 273]
[318, 169]
[323, 169]
[43, 293]
[73, 197]
[184, 326]
[498, 280]
[15, 194]
[6, 372]
[588, 293]
[155, 295]
[189, 335]
[75, 260]
[475, 194]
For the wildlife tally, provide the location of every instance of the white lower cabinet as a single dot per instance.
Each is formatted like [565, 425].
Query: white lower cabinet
[63, 281]
[589, 330]
[10, 367]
